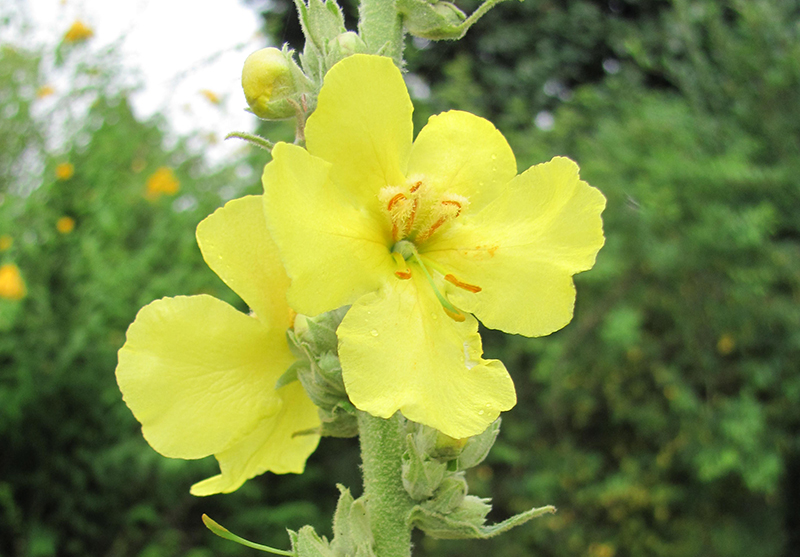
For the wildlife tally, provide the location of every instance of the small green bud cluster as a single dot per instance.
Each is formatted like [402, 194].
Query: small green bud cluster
[327, 39]
[314, 342]
[433, 475]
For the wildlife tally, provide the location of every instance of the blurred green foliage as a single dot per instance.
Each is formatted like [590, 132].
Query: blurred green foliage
[663, 421]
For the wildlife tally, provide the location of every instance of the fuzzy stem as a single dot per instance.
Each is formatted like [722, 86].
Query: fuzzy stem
[381, 28]
[388, 503]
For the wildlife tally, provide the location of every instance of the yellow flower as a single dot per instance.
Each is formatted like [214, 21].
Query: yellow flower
[78, 32]
[726, 344]
[161, 182]
[200, 376]
[12, 287]
[45, 91]
[65, 171]
[6, 241]
[65, 225]
[418, 237]
[210, 96]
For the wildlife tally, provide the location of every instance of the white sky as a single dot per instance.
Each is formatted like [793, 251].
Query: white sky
[179, 47]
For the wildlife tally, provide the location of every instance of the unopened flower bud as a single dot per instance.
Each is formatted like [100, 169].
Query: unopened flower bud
[269, 86]
[447, 448]
[432, 20]
[347, 44]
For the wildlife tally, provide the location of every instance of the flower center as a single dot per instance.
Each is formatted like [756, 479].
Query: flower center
[416, 211]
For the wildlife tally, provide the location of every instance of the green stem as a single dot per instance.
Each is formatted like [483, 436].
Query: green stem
[477, 14]
[381, 28]
[388, 503]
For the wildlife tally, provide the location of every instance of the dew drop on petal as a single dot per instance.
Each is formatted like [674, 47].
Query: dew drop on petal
[373, 332]
[434, 316]
[480, 412]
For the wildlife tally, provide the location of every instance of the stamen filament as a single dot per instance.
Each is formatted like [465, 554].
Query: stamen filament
[449, 308]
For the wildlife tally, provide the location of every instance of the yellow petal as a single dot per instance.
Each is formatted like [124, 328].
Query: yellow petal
[236, 245]
[199, 375]
[271, 447]
[458, 152]
[400, 351]
[522, 250]
[333, 251]
[362, 125]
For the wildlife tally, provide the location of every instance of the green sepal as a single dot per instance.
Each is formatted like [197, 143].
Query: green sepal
[478, 447]
[321, 331]
[322, 380]
[290, 375]
[432, 20]
[421, 475]
[306, 543]
[352, 535]
[339, 422]
[467, 522]
[450, 494]
[320, 22]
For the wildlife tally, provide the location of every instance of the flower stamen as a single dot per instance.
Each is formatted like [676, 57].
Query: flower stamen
[408, 251]
[394, 200]
[466, 286]
[446, 210]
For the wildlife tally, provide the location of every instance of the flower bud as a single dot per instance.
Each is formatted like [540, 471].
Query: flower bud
[347, 44]
[432, 20]
[269, 86]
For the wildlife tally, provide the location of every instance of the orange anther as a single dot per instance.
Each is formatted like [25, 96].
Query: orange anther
[469, 287]
[394, 200]
[416, 186]
[453, 202]
[405, 275]
[455, 315]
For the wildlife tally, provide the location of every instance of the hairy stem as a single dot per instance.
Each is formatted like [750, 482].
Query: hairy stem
[388, 503]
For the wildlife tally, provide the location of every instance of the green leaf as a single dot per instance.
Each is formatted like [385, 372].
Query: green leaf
[467, 521]
[223, 532]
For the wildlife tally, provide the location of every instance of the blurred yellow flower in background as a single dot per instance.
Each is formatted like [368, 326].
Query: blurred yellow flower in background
[726, 344]
[65, 225]
[65, 171]
[45, 91]
[6, 241]
[78, 32]
[162, 182]
[210, 96]
[12, 287]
